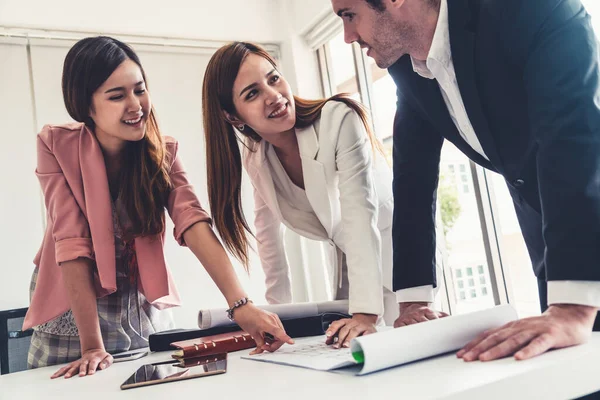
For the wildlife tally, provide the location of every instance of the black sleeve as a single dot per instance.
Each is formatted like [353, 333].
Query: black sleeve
[417, 147]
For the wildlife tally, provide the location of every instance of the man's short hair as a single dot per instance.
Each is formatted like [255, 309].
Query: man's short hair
[377, 5]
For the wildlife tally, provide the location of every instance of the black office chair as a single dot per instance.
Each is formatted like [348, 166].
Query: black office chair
[14, 343]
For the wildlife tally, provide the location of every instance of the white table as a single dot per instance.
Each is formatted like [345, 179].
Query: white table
[560, 374]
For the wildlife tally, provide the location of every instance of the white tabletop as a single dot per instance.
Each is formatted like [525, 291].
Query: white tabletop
[559, 374]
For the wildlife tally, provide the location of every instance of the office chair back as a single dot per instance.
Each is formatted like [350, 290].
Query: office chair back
[14, 343]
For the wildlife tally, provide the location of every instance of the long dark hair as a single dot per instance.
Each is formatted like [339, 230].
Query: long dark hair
[223, 157]
[144, 179]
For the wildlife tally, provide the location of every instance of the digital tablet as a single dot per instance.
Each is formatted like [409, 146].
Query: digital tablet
[177, 370]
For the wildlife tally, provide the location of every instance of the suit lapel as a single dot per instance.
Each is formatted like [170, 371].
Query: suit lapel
[462, 43]
[431, 101]
[427, 96]
[98, 206]
[261, 176]
[315, 179]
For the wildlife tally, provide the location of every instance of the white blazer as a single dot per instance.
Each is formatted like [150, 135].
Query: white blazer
[351, 195]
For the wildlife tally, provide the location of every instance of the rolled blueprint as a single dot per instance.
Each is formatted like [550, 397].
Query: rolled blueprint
[415, 342]
[218, 317]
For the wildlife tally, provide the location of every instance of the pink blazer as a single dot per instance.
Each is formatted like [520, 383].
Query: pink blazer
[72, 173]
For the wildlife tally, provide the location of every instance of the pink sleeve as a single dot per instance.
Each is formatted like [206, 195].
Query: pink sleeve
[70, 232]
[183, 205]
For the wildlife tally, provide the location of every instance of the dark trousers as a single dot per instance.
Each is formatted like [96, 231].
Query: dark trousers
[543, 290]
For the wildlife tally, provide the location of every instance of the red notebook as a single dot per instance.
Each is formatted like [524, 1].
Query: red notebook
[208, 345]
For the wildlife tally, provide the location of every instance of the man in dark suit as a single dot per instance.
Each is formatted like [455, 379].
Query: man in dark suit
[515, 85]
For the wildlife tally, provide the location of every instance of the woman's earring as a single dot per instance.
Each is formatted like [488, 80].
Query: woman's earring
[241, 127]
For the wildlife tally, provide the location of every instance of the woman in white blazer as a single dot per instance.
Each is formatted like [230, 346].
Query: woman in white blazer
[315, 167]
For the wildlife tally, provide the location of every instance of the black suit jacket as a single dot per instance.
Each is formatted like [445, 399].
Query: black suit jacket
[529, 76]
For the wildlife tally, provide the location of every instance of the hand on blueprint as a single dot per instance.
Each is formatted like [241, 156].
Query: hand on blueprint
[88, 363]
[415, 312]
[347, 329]
[258, 323]
[562, 325]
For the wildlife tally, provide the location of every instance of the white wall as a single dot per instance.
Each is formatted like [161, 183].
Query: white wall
[304, 13]
[266, 21]
[300, 64]
[20, 204]
[255, 20]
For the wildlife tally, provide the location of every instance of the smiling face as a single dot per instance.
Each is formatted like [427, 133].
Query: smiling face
[262, 98]
[120, 107]
[387, 32]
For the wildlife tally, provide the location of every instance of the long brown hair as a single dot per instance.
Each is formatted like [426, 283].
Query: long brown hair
[223, 157]
[144, 179]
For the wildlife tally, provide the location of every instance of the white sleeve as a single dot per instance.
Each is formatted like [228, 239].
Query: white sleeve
[359, 209]
[585, 293]
[269, 237]
[423, 293]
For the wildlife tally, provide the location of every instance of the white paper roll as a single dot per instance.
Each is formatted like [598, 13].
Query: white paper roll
[218, 317]
[414, 342]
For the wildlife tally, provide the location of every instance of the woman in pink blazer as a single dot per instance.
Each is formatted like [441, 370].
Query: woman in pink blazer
[101, 277]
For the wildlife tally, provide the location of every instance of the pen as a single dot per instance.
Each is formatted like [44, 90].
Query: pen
[269, 338]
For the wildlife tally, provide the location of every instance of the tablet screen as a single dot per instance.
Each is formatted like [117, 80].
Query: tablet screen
[175, 370]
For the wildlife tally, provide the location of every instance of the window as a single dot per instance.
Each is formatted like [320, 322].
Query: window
[484, 291]
[470, 271]
[462, 295]
[464, 178]
[473, 293]
[342, 74]
[482, 279]
[459, 273]
[471, 282]
[461, 284]
[515, 261]
[480, 269]
[593, 8]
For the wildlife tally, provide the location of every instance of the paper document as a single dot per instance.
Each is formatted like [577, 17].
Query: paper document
[310, 353]
[392, 347]
[218, 317]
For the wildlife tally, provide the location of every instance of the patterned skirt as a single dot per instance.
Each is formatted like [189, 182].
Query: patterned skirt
[126, 321]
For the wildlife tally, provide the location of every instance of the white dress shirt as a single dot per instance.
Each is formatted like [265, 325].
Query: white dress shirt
[439, 66]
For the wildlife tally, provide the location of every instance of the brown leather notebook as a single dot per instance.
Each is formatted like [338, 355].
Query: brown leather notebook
[208, 345]
[204, 360]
